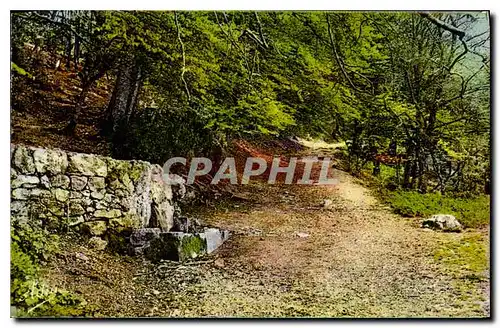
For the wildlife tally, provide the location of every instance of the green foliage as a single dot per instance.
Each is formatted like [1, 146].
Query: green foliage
[18, 70]
[30, 296]
[471, 212]
[156, 135]
[374, 79]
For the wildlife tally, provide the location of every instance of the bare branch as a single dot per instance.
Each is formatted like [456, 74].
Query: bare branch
[263, 39]
[62, 24]
[336, 55]
[183, 55]
[443, 25]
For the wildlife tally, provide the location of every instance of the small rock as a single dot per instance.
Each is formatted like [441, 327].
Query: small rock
[89, 165]
[114, 213]
[219, 263]
[444, 222]
[45, 181]
[97, 195]
[302, 234]
[97, 243]
[75, 195]
[41, 193]
[327, 203]
[125, 223]
[50, 160]
[75, 220]
[60, 180]
[20, 193]
[23, 160]
[78, 183]
[24, 180]
[61, 194]
[18, 206]
[81, 256]
[155, 292]
[96, 183]
[75, 209]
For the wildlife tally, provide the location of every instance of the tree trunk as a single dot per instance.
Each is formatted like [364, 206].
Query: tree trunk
[68, 52]
[76, 53]
[87, 83]
[123, 103]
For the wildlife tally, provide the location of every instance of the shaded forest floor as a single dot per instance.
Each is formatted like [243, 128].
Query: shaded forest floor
[42, 106]
[290, 257]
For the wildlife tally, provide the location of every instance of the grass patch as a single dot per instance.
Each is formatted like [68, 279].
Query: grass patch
[466, 256]
[31, 247]
[471, 212]
[465, 259]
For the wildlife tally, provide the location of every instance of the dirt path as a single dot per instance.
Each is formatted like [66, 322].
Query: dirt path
[291, 257]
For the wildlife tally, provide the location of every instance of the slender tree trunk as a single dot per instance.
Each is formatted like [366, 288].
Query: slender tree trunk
[123, 103]
[76, 53]
[68, 52]
[87, 84]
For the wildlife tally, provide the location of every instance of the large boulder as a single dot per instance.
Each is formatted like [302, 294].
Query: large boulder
[181, 246]
[23, 161]
[444, 222]
[162, 216]
[177, 185]
[51, 161]
[88, 165]
[176, 246]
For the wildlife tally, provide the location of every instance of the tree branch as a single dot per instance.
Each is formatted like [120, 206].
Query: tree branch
[62, 24]
[183, 55]
[336, 55]
[262, 38]
[443, 25]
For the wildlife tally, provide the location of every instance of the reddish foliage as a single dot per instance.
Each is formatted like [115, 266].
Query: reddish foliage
[389, 159]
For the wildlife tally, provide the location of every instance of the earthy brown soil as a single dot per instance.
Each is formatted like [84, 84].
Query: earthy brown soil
[41, 107]
[289, 257]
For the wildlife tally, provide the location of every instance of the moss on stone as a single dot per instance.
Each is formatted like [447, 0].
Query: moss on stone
[124, 224]
[117, 169]
[94, 228]
[54, 207]
[89, 165]
[137, 170]
[191, 246]
[117, 243]
[61, 194]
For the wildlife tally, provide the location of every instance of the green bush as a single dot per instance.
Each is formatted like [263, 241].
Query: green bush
[155, 135]
[31, 246]
[471, 212]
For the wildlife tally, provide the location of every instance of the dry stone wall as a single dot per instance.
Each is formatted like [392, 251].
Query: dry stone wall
[94, 194]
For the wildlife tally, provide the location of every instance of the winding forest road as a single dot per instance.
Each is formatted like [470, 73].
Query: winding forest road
[289, 256]
[356, 258]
